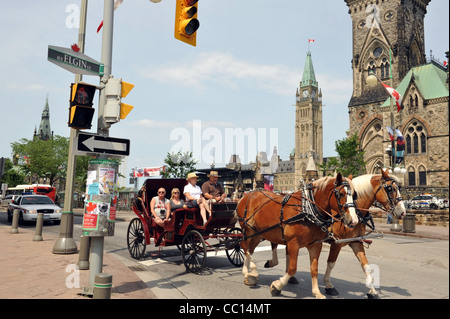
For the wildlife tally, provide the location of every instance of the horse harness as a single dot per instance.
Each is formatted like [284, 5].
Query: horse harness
[389, 190]
[308, 211]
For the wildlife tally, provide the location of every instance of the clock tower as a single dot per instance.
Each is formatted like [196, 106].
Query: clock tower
[308, 122]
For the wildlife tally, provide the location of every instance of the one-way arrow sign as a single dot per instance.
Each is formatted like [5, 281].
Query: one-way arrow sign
[91, 143]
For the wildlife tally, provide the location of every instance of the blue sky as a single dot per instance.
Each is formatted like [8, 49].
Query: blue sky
[241, 77]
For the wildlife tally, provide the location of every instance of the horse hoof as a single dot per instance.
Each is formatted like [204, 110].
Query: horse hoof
[274, 291]
[251, 281]
[293, 280]
[331, 291]
[267, 264]
[373, 296]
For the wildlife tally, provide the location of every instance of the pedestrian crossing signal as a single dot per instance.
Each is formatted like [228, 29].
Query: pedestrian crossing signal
[81, 111]
[186, 23]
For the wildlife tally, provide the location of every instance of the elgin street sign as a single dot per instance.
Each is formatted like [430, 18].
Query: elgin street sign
[91, 143]
[75, 62]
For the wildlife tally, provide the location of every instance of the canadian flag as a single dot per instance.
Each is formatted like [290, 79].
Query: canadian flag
[311, 40]
[395, 95]
[117, 4]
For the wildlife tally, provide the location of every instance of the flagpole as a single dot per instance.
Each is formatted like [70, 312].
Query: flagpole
[391, 83]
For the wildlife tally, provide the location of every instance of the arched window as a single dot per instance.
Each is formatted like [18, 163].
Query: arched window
[384, 69]
[411, 176]
[416, 138]
[422, 176]
[423, 143]
[408, 144]
[415, 143]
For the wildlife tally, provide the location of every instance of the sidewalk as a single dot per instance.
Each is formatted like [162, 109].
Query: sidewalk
[29, 270]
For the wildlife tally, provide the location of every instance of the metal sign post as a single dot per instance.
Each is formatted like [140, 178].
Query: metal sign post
[65, 244]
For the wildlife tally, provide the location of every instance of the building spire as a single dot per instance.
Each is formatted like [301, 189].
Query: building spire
[44, 132]
[309, 76]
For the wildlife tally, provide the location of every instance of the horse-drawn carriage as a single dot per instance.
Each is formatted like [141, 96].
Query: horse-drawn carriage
[185, 228]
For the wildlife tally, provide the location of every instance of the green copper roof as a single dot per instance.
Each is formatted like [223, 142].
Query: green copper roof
[309, 77]
[430, 80]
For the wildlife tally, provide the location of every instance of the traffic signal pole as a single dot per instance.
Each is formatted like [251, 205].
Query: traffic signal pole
[65, 244]
[97, 242]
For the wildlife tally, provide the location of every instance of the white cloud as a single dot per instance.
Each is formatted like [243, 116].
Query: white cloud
[226, 70]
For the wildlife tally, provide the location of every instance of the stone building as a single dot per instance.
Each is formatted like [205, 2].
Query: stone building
[44, 132]
[388, 39]
[308, 123]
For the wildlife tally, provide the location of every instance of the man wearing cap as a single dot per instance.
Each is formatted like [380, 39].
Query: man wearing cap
[212, 190]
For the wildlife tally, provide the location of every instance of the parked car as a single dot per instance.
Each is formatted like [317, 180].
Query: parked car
[443, 203]
[31, 205]
[7, 200]
[424, 201]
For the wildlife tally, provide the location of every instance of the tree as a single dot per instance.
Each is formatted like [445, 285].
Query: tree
[179, 165]
[350, 160]
[46, 159]
[13, 175]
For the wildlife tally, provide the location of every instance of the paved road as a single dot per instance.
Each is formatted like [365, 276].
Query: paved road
[408, 268]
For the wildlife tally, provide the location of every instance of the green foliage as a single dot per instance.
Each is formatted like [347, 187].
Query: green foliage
[13, 176]
[178, 165]
[47, 159]
[350, 160]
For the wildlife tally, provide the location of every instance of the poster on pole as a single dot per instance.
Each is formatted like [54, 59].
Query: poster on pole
[101, 199]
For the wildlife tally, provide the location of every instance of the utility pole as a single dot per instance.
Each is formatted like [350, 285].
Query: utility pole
[65, 244]
[97, 242]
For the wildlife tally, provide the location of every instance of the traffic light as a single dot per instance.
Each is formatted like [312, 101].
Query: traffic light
[114, 110]
[186, 23]
[81, 111]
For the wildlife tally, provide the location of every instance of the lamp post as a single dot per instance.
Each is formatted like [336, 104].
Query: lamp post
[372, 80]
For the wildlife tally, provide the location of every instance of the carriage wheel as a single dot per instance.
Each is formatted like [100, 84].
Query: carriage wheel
[193, 251]
[233, 250]
[136, 238]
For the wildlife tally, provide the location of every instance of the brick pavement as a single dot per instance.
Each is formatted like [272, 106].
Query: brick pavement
[29, 270]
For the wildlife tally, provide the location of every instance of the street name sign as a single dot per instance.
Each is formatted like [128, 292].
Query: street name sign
[91, 143]
[75, 62]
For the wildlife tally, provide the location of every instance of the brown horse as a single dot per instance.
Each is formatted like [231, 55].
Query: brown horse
[293, 221]
[382, 188]
[370, 187]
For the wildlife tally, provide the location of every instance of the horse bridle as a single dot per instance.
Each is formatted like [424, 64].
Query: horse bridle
[389, 190]
[337, 194]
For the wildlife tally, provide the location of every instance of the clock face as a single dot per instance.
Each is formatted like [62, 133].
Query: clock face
[313, 94]
[305, 93]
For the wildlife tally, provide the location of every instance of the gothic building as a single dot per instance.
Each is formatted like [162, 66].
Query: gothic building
[388, 40]
[44, 132]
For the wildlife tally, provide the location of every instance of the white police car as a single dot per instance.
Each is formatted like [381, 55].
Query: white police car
[30, 206]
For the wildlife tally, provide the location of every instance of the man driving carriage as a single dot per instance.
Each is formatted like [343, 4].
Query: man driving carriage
[212, 190]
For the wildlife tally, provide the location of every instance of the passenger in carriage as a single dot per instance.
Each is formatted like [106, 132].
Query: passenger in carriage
[175, 201]
[160, 207]
[193, 193]
[212, 190]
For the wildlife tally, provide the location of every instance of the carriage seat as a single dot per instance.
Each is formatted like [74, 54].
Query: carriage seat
[181, 215]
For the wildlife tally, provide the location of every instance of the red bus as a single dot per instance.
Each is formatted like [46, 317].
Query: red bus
[35, 189]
